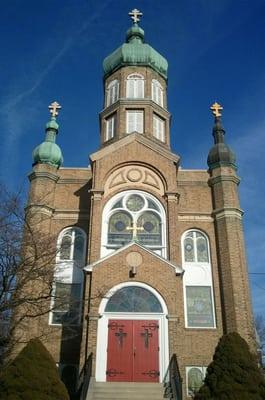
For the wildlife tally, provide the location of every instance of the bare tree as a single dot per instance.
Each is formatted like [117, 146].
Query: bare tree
[260, 328]
[26, 274]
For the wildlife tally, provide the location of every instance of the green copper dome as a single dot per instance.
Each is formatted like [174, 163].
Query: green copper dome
[48, 152]
[135, 52]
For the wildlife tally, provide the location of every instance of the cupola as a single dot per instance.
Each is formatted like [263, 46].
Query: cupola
[220, 154]
[135, 52]
[48, 152]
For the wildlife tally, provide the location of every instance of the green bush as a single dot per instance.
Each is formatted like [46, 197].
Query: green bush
[233, 373]
[32, 375]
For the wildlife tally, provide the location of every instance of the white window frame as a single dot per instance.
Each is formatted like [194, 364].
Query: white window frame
[157, 92]
[197, 274]
[108, 211]
[110, 127]
[159, 127]
[188, 368]
[112, 92]
[135, 86]
[137, 123]
[68, 271]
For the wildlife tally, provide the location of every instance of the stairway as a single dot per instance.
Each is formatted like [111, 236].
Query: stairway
[125, 391]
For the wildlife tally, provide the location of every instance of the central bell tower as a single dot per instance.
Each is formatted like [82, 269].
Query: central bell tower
[135, 91]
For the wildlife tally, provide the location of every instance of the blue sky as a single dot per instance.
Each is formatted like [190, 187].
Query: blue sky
[53, 50]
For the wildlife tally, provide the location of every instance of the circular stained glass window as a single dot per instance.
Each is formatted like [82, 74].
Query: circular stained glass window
[135, 202]
[148, 226]
[120, 226]
[188, 247]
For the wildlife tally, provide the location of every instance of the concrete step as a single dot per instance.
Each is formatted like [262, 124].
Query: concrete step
[125, 391]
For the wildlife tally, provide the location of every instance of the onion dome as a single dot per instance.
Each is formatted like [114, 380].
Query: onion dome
[48, 152]
[135, 52]
[220, 154]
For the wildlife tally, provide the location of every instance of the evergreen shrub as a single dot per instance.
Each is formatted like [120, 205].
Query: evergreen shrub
[32, 375]
[233, 374]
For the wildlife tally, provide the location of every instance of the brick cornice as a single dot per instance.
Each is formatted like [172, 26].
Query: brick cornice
[222, 178]
[43, 174]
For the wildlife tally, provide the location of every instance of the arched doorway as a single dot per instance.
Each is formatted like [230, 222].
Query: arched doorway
[132, 339]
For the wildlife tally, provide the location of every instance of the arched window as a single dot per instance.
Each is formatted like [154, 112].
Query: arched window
[157, 92]
[135, 86]
[71, 245]
[133, 216]
[197, 280]
[68, 277]
[133, 299]
[112, 92]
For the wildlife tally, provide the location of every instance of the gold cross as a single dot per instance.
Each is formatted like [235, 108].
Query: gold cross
[54, 107]
[134, 228]
[216, 108]
[135, 14]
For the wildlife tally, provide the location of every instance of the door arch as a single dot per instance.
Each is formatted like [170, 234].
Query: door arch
[148, 309]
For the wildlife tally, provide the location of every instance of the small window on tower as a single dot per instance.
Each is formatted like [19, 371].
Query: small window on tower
[135, 86]
[110, 127]
[157, 92]
[135, 121]
[159, 128]
[112, 92]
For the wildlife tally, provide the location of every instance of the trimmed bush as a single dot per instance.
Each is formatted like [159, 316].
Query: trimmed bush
[233, 373]
[32, 375]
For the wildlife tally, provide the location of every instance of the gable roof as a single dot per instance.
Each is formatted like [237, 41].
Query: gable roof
[135, 137]
[178, 269]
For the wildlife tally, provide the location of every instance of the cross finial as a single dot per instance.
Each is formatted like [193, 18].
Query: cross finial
[216, 108]
[54, 107]
[135, 14]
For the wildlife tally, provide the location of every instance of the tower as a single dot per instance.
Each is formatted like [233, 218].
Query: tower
[161, 247]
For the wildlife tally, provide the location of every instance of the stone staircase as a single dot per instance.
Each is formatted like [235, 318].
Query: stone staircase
[125, 391]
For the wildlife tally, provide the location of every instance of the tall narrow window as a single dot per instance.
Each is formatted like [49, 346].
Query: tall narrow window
[110, 127]
[135, 86]
[159, 128]
[157, 92]
[197, 280]
[133, 216]
[135, 121]
[112, 93]
[68, 278]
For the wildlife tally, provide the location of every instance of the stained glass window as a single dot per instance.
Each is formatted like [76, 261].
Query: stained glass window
[195, 247]
[118, 234]
[72, 245]
[134, 299]
[151, 233]
[195, 379]
[134, 216]
[66, 305]
[199, 306]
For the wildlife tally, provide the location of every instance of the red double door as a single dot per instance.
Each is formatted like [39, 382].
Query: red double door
[133, 352]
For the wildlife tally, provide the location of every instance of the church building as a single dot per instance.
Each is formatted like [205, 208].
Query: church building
[150, 256]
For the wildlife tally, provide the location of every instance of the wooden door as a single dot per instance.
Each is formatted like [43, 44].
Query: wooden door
[133, 352]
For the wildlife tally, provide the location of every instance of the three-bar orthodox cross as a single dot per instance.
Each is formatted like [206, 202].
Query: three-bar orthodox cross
[216, 108]
[54, 108]
[135, 14]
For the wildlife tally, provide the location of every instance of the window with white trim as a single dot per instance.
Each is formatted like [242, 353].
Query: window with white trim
[158, 128]
[112, 92]
[110, 127]
[157, 92]
[194, 379]
[68, 277]
[197, 281]
[135, 86]
[134, 121]
[133, 216]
